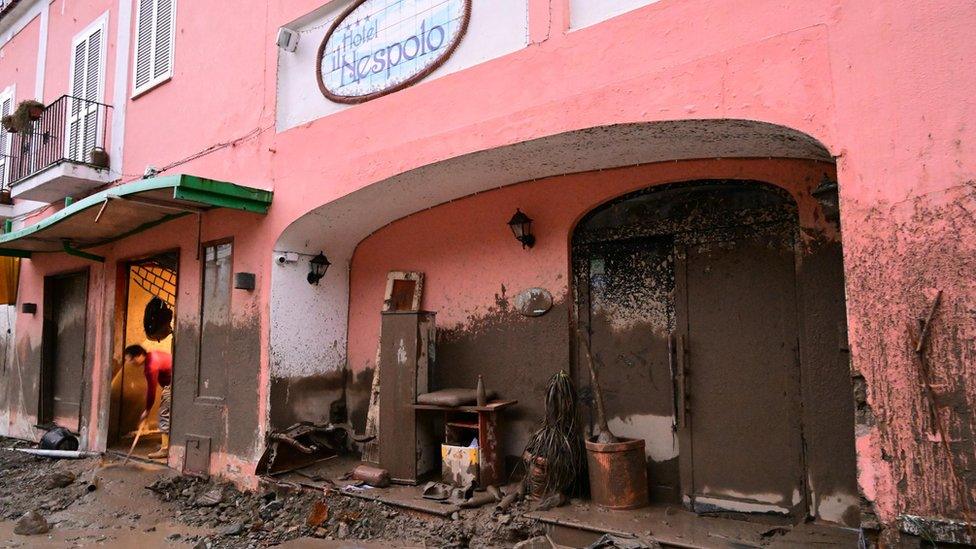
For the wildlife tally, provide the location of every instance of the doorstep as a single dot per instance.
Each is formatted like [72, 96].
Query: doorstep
[581, 523]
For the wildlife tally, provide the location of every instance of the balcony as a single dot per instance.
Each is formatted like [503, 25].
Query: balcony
[62, 154]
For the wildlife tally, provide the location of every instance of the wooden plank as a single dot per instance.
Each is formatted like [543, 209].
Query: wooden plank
[490, 407]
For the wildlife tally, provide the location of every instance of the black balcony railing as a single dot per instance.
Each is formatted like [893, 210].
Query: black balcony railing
[70, 129]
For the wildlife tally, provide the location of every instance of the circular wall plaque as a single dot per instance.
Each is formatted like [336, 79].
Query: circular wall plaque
[533, 302]
[377, 47]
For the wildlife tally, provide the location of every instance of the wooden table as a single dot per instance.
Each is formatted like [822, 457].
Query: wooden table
[491, 465]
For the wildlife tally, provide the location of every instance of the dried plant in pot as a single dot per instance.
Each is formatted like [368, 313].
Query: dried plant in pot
[9, 123]
[617, 466]
[554, 454]
[26, 113]
[32, 109]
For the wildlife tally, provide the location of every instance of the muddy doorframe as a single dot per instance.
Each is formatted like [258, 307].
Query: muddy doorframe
[49, 339]
[121, 318]
[809, 246]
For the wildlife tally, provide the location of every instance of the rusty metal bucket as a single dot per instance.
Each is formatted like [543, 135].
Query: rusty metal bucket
[618, 473]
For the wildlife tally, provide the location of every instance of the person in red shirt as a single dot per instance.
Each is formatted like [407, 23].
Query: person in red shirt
[158, 368]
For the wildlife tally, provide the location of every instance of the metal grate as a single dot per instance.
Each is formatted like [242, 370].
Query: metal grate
[158, 279]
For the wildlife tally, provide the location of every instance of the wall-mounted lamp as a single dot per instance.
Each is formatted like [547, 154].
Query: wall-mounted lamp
[318, 265]
[827, 195]
[521, 226]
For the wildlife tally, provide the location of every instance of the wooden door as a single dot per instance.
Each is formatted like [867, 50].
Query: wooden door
[741, 442]
[63, 369]
[629, 315]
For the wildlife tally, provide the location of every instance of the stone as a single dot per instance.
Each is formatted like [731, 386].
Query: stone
[343, 530]
[58, 479]
[232, 530]
[173, 537]
[31, 524]
[539, 542]
[210, 498]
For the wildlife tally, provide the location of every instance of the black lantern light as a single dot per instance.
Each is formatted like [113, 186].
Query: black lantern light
[521, 226]
[827, 195]
[318, 266]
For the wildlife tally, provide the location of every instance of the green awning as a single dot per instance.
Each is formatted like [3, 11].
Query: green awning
[127, 209]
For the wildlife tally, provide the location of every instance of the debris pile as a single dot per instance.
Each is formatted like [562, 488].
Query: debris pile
[270, 517]
[29, 483]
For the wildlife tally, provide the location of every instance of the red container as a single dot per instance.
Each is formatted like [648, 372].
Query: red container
[618, 473]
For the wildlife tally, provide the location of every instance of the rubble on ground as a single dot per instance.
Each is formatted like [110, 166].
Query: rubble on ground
[271, 517]
[30, 483]
[41, 488]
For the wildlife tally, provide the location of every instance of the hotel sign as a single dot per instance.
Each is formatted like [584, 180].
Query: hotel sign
[377, 47]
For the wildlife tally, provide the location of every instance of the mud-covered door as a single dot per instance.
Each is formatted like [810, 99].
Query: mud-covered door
[741, 443]
[62, 375]
[630, 315]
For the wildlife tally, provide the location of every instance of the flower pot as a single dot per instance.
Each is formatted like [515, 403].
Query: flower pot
[618, 473]
[5, 198]
[98, 157]
[34, 113]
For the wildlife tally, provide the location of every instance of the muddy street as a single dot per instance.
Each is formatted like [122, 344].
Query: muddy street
[101, 502]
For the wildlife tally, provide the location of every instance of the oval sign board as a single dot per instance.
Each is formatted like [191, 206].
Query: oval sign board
[377, 47]
[533, 302]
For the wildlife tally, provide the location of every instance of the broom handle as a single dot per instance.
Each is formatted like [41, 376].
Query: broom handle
[134, 442]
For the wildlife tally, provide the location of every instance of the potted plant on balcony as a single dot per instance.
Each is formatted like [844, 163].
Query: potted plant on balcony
[23, 116]
[33, 109]
[9, 123]
[617, 466]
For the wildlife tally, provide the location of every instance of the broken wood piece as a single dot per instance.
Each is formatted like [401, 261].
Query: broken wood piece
[374, 476]
[507, 500]
[478, 500]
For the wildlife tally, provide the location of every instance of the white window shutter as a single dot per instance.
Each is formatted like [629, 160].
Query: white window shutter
[162, 60]
[155, 35]
[144, 44]
[6, 107]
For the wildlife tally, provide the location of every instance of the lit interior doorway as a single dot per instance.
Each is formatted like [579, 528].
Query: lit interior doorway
[145, 318]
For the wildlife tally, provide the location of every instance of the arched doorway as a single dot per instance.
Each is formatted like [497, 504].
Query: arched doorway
[691, 295]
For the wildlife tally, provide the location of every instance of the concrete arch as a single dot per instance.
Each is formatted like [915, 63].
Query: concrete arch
[308, 323]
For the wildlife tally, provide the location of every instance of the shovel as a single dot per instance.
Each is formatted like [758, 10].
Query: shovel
[134, 442]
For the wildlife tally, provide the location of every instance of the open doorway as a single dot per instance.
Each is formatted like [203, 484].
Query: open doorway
[142, 374]
[63, 359]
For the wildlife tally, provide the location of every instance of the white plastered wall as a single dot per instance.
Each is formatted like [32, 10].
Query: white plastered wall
[497, 28]
[584, 13]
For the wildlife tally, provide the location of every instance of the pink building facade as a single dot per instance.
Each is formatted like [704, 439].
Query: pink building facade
[630, 132]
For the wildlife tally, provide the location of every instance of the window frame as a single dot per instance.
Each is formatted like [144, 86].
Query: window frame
[154, 81]
[197, 396]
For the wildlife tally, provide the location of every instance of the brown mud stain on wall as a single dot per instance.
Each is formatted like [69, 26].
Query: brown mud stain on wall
[516, 355]
[317, 398]
[21, 383]
[900, 256]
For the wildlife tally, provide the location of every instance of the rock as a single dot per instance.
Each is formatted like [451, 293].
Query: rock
[210, 498]
[320, 532]
[31, 524]
[504, 519]
[202, 544]
[455, 515]
[539, 542]
[232, 530]
[58, 479]
[173, 537]
[343, 530]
